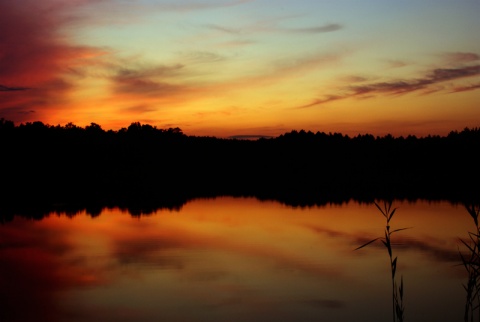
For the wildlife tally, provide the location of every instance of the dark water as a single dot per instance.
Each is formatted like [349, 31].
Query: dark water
[229, 259]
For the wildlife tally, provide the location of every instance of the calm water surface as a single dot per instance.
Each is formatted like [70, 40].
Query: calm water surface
[230, 259]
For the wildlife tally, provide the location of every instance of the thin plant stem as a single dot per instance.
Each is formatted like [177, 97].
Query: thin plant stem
[472, 266]
[398, 308]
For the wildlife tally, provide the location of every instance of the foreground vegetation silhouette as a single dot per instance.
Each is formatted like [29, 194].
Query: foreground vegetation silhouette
[398, 308]
[471, 262]
[141, 164]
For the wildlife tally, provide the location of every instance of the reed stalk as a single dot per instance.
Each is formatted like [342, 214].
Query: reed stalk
[471, 262]
[398, 308]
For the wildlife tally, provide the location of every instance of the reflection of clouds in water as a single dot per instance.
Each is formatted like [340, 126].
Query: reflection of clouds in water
[326, 303]
[168, 250]
[211, 275]
[438, 253]
[33, 271]
[201, 264]
[149, 251]
[434, 252]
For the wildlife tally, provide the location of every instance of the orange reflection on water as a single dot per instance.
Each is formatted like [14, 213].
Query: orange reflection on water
[230, 259]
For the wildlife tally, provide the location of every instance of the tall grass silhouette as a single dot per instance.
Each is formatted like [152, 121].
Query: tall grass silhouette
[398, 308]
[471, 262]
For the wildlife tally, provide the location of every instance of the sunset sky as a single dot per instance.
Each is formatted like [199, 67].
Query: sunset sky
[243, 67]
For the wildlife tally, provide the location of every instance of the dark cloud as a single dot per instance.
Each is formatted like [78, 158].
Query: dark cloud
[270, 26]
[147, 81]
[150, 71]
[329, 98]
[316, 30]
[4, 88]
[20, 107]
[143, 87]
[17, 112]
[444, 74]
[401, 87]
[27, 112]
[461, 57]
[466, 88]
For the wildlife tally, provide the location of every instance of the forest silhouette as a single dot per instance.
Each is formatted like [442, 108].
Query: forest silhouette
[143, 167]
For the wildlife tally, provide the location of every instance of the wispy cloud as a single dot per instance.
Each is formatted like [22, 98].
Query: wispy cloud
[272, 25]
[353, 79]
[197, 5]
[320, 101]
[466, 88]
[461, 57]
[315, 30]
[141, 86]
[138, 86]
[202, 57]
[396, 63]
[225, 29]
[140, 109]
[147, 81]
[444, 74]
[4, 88]
[401, 87]
[149, 71]
[275, 73]
[306, 62]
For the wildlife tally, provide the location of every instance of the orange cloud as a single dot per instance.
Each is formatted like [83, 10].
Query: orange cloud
[37, 62]
[401, 87]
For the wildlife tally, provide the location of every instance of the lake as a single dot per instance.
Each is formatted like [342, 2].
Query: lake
[234, 259]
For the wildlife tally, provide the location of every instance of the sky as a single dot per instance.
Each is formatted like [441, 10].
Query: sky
[243, 67]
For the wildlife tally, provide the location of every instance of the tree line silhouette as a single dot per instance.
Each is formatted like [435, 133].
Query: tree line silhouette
[141, 164]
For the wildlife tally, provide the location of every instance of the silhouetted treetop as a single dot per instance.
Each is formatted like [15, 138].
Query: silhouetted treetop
[136, 128]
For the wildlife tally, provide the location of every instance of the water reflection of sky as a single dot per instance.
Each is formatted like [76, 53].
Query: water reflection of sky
[231, 259]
